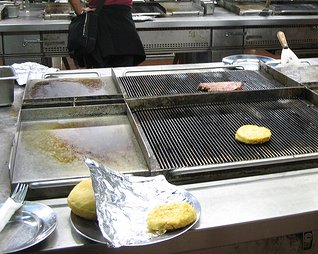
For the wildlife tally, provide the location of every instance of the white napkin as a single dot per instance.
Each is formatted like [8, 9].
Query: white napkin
[7, 210]
[30, 70]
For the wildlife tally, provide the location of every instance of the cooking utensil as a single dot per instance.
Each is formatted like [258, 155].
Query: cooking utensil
[12, 204]
[288, 57]
[266, 11]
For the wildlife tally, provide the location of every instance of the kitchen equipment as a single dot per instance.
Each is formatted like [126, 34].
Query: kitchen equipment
[183, 8]
[12, 10]
[3, 11]
[266, 11]
[58, 11]
[248, 61]
[288, 57]
[7, 81]
[163, 125]
[12, 204]
[276, 7]
[186, 83]
[148, 9]
[304, 74]
[208, 6]
[64, 88]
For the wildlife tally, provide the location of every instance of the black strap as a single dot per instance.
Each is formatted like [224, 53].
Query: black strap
[99, 6]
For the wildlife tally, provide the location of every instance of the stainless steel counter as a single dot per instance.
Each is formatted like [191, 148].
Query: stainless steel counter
[221, 18]
[267, 211]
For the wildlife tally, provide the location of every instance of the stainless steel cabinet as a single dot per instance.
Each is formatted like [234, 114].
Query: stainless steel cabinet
[226, 42]
[55, 43]
[266, 37]
[21, 43]
[175, 40]
[227, 38]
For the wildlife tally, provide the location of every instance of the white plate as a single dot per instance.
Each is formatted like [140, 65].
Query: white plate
[91, 231]
[31, 224]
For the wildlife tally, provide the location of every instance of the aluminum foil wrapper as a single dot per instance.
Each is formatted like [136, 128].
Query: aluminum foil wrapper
[123, 203]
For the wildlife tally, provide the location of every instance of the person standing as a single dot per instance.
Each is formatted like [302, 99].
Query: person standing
[118, 43]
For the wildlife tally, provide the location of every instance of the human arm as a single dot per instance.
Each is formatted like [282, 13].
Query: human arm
[78, 7]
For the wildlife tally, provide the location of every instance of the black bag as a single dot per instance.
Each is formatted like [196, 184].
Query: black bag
[82, 33]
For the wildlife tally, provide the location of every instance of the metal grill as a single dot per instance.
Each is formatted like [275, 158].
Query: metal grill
[186, 83]
[203, 134]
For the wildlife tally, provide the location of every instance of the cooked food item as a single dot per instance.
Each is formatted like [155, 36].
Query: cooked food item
[220, 86]
[171, 216]
[253, 134]
[81, 200]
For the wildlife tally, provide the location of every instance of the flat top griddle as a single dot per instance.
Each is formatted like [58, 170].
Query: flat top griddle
[276, 8]
[184, 83]
[66, 88]
[149, 8]
[53, 143]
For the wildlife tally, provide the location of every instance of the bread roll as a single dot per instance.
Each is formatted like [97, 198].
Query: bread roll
[81, 200]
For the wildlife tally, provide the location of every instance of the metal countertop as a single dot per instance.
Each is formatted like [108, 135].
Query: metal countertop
[220, 18]
[233, 211]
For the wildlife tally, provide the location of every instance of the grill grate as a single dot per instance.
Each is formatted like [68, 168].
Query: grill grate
[203, 134]
[182, 83]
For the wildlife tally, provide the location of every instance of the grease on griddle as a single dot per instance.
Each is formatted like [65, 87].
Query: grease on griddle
[66, 87]
[57, 148]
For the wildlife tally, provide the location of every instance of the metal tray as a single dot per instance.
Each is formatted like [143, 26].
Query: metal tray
[182, 9]
[305, 74]
[51, 144]
[148, 9]
[65, 88]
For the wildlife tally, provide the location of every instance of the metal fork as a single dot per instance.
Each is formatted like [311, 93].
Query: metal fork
[12, 204]
[20, 192]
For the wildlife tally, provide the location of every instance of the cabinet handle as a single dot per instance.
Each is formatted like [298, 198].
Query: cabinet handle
[26, 42]
[253, 37]
[229, 34]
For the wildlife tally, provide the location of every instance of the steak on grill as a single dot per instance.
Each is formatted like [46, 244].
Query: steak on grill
[220, 86]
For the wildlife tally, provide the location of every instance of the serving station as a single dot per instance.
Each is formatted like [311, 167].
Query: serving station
[169, 30]
[152, 120]
[165, 126]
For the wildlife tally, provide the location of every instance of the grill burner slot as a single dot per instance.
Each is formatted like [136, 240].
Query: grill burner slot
[183, 83]
[203, 134]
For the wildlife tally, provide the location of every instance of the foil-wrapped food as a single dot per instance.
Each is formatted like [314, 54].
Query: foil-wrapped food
[123, 203]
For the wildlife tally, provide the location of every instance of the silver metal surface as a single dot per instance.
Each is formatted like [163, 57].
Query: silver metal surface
[305, 74]
[249, 62]
[284, 204]
[268, 201]
[101, 131]
[7, 82]
[31, 224]
[220, 18]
